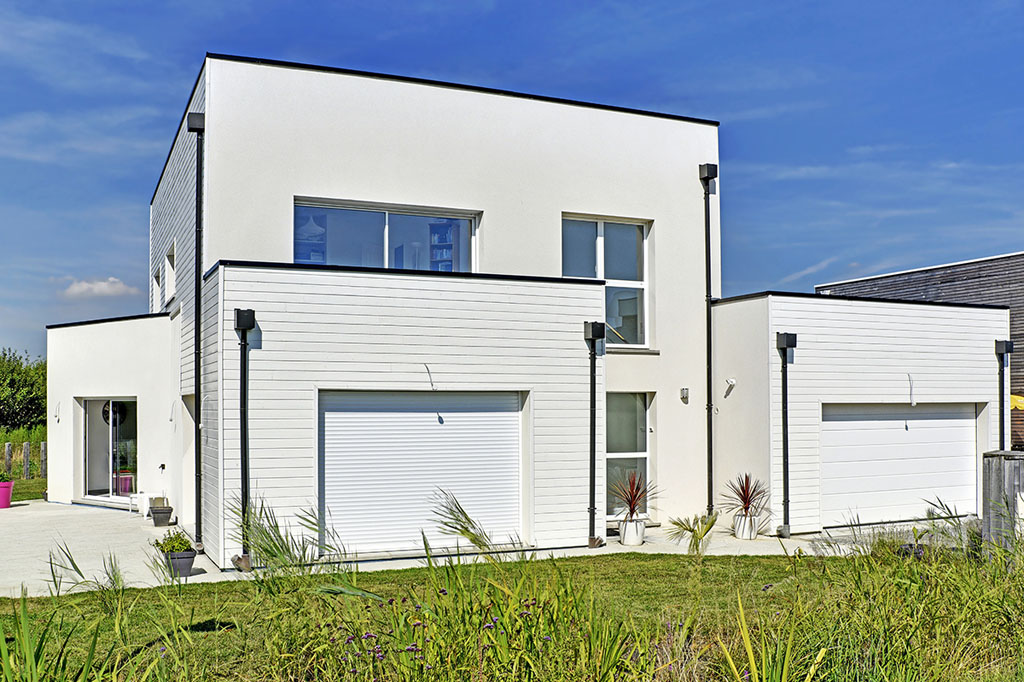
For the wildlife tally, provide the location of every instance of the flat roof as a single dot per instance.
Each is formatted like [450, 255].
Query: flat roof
[418, 81]
[278, 265]
[921, 269]
[102, 320]
[456, 86]
[860, 299]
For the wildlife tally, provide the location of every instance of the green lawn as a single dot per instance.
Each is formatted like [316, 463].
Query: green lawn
[31, 489]
[952, 616]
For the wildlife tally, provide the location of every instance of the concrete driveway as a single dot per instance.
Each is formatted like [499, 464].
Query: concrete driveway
[29, 531]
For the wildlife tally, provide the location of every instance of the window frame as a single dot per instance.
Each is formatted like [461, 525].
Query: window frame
[645, 455]
[170, 275]
[404, 209]
[642, 285]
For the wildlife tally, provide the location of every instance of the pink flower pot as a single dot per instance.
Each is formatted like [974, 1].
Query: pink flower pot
[5, 494]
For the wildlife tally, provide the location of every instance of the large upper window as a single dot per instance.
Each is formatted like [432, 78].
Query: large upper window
[379, 239]
[627, 442]
[614, 252]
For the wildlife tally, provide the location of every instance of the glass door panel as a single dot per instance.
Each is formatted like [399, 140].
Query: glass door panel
[111, 448]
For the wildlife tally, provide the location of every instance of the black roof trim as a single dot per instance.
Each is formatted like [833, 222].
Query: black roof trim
[458, 86]
[188, 102]
[862, 299]
[395, 271]
[125, 318]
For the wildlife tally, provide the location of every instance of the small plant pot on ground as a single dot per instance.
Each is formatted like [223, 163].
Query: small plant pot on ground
[178, 553]
[180, 563]
[631, 533]
[161, 515]
[744, 526]
[6, 490]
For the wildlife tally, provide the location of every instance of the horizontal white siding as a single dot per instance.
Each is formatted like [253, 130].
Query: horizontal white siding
[173, 222]
[862, 352]
[321, 331]
[212, 508]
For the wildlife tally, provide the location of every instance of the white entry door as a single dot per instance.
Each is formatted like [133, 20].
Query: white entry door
[386, 454]
[886, 462]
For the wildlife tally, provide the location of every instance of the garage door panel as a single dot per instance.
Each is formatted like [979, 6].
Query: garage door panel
[846, 491]
[387, 454]
[882, 462]
[897, 467]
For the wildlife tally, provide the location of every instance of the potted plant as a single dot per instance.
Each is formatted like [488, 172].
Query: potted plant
[748, 497]
[6, 489]
[178, 553]
[633, 493]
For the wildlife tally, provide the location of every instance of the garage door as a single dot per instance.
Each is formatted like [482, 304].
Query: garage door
[385, 455]
[881, 462]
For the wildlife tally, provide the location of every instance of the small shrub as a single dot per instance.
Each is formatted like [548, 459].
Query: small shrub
[173, 541]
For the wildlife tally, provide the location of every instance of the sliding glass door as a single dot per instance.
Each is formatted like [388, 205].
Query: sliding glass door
[111, 448]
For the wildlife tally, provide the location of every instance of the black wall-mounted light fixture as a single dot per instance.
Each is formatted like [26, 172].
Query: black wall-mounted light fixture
[785, 342]
[593, 333]
[245, 322]
[708, 172]
[196, 123]
[1003, 348]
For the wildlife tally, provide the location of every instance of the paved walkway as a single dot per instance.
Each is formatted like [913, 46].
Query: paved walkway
[30, 531]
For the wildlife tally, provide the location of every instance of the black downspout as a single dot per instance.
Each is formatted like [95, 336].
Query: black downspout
[593, 332]
[1002, 402]
[1003, 348]
[708, 172]
[784, 342]
[245, 321]
[197, 124]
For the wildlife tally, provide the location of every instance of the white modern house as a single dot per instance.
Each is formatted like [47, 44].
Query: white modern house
[393, 277]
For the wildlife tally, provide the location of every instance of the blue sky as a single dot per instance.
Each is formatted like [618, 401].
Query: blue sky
[856, 138]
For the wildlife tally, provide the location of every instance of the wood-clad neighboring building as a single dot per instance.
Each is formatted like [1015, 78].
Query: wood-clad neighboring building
[994, 280]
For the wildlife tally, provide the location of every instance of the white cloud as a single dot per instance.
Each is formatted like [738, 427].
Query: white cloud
[809, 270]
[62, 138]
[100, 288]
[71, 56]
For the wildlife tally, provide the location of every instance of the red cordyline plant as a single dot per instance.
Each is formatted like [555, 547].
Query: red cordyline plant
[747, 495]
[633, 492]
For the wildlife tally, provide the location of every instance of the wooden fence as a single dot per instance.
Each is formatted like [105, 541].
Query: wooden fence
[21, 466]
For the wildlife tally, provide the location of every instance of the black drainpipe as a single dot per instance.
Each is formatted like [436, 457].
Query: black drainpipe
[784, 342]
[245, 321]
[197, 124]
[708, 172]
[1003, 348]
[592, 333]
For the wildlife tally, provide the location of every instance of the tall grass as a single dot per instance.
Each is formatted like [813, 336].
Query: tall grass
[878, 613]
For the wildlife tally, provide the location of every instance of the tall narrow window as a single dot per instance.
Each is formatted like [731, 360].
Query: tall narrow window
[382, 239]
[615, 252]
[626, 442]
[157, 303]
[169, 274]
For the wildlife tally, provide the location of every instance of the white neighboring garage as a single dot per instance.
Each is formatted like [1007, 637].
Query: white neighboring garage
[887, 462]
[891, 404]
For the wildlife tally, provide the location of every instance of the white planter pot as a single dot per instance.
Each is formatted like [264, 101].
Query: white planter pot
[745, 527]
[631, 533]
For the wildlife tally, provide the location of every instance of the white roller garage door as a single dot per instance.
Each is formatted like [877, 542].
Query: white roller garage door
[385, 455]
[881, 462]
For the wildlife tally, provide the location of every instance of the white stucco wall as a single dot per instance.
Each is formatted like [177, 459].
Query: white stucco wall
[118, 359]
[274, 134]
[848, 351]
[742, 418]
